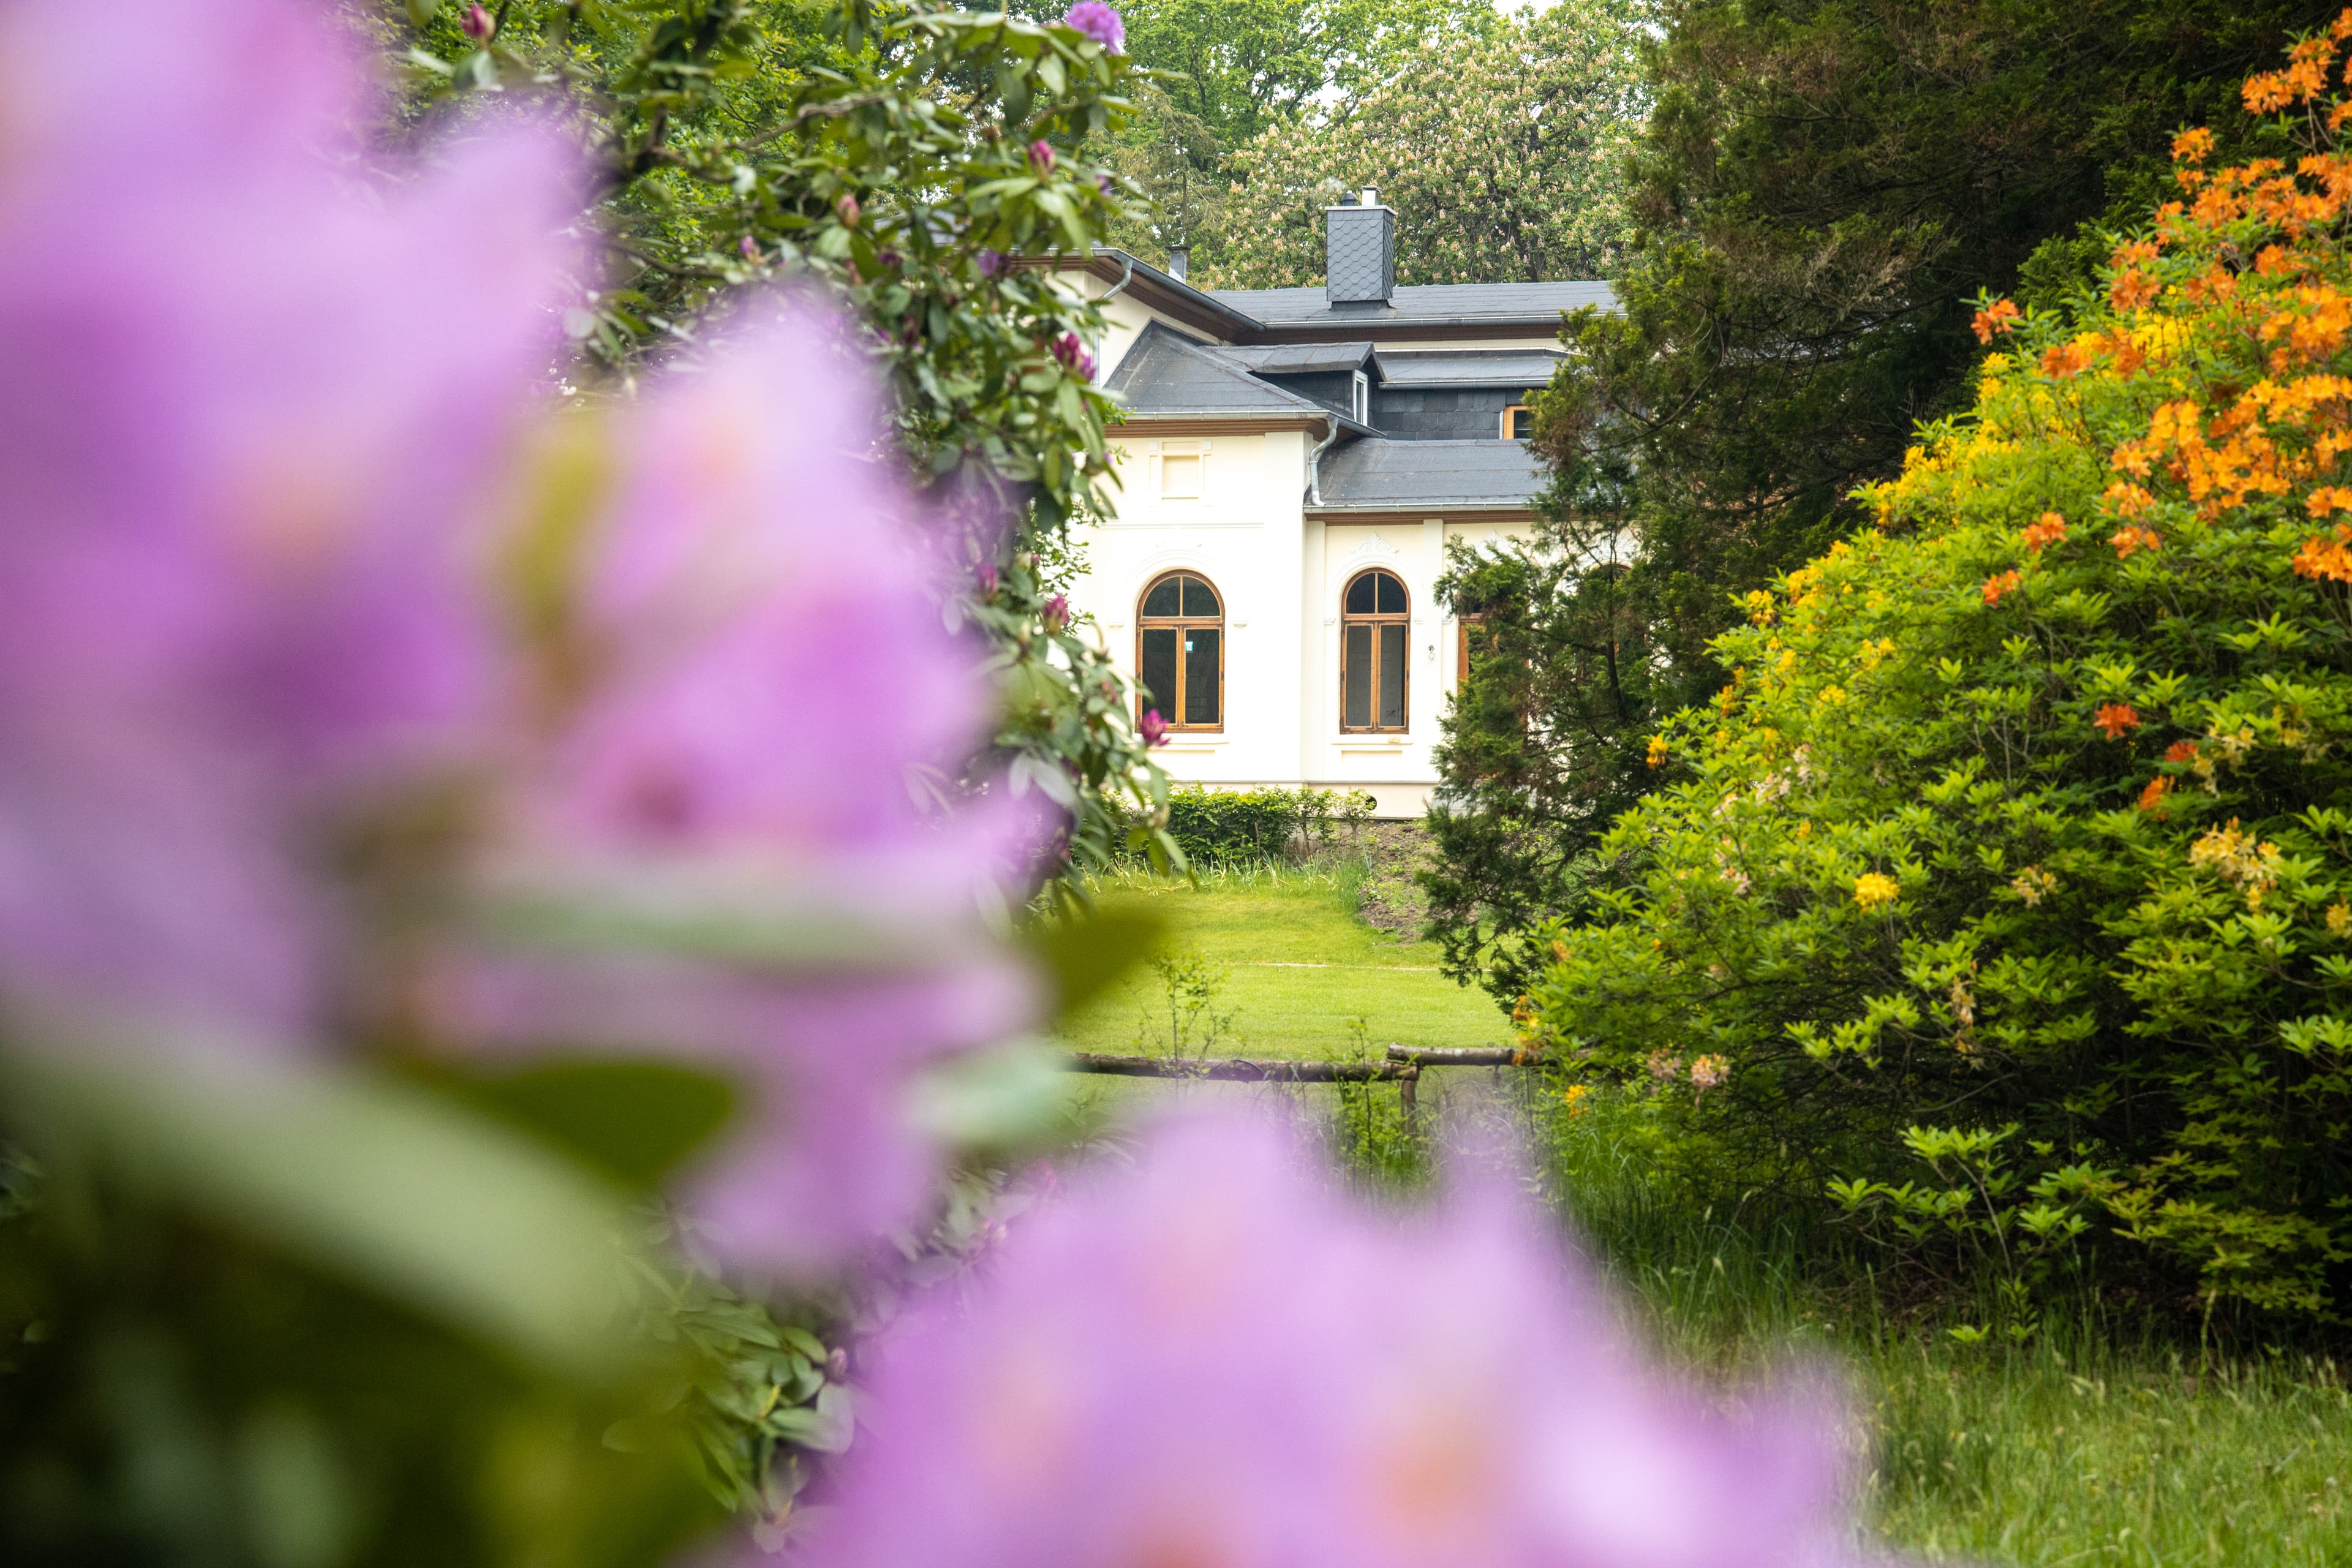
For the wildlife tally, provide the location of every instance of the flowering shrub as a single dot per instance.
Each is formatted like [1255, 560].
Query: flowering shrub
[2025, 807]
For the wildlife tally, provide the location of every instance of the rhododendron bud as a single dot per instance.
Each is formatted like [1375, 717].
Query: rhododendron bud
[1041, 155]
[1057, 613]
[477, 25]
[1153, 728]
[845, 208]
[750, 247]
[1216, 1356]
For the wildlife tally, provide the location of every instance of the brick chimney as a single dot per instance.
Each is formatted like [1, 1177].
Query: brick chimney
[1358, 251]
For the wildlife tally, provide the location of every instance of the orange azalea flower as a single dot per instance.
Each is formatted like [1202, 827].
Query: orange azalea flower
[2192, 146]
[2130, 537]
[2132, 290]
[2180, 751]
[2151, 799]
[2326, 557]
[2328, 499]
[2048, 529]
[1995, 586]
[2001, 316]
[2116, 718]
[2129, 500]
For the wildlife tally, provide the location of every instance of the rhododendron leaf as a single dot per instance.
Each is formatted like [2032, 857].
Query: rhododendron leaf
[993, 1099]
[381, 1183]
[632, 1122]
[1085, 954]
[764, 920]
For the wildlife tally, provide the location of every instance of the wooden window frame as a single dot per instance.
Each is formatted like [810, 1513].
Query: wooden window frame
[1462, 627]
[1182, 624]
[1375, 619]
[1509, 412]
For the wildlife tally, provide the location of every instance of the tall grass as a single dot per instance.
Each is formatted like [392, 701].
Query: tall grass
[2105, 1438]
[1330, 871]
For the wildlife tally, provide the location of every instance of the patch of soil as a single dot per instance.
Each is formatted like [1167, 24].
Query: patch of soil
[1391, 900]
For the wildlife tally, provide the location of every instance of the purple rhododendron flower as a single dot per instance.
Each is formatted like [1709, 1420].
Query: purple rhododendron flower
[1041, 155]
[1098, 22]
[233, 581]
[1219, 1358]
[1154, 729]
[771, 670]
[992, 262]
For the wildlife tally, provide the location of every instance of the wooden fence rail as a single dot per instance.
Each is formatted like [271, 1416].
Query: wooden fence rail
[1400, 1065]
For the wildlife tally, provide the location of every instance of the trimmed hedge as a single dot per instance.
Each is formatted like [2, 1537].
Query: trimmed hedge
[1223, 827]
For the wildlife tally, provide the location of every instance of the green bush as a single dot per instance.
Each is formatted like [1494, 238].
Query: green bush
[2009, 885]
[1225, 827]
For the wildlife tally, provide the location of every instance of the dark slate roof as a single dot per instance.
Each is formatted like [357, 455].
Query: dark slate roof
[1389, 475]
[1420, 304]
[1300, 359]
[1496, 367]
[1165, 372]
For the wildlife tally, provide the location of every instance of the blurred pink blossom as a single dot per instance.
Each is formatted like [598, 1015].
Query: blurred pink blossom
[771, 677]
[1215, 1357]
[245, 410]
[1100, 22]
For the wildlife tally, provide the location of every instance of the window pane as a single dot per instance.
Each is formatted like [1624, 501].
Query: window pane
[1356, 655]
[1522, 423]
[1162, 600]
[1158, 671]
[1200, 599]
[1202, 669]
[1359, 595]
[1391, 595]
[1393, 676]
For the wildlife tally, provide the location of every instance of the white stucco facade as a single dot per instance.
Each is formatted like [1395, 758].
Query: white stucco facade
[1238, 508]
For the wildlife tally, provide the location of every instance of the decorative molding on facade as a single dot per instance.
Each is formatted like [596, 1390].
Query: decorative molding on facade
[1370, 548]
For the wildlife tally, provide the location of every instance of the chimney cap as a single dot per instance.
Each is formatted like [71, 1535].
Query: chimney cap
[1348, 198]
[1371, 197]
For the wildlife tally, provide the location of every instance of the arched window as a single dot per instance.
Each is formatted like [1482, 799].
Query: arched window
[1375, 627]
[1180, 652]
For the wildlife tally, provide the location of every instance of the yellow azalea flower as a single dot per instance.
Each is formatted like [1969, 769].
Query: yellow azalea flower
[1873, 889]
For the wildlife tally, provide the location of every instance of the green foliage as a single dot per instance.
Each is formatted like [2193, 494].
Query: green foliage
[1502, 147]
[2098, 1439]
[1222, 827]
[1822, 186]
[1558, 628]
[1377, 1133]
[1187, 1021]
[2015, 847]
[886, 156]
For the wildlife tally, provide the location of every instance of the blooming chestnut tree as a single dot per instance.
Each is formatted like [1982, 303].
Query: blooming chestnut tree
[1502, 149]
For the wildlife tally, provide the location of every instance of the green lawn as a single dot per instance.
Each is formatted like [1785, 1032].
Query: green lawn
[1291, 964]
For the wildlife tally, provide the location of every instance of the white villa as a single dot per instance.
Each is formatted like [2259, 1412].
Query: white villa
[1292, 464]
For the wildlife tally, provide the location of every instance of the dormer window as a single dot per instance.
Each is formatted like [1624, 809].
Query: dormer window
[1518, 422]
[1362, 403]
